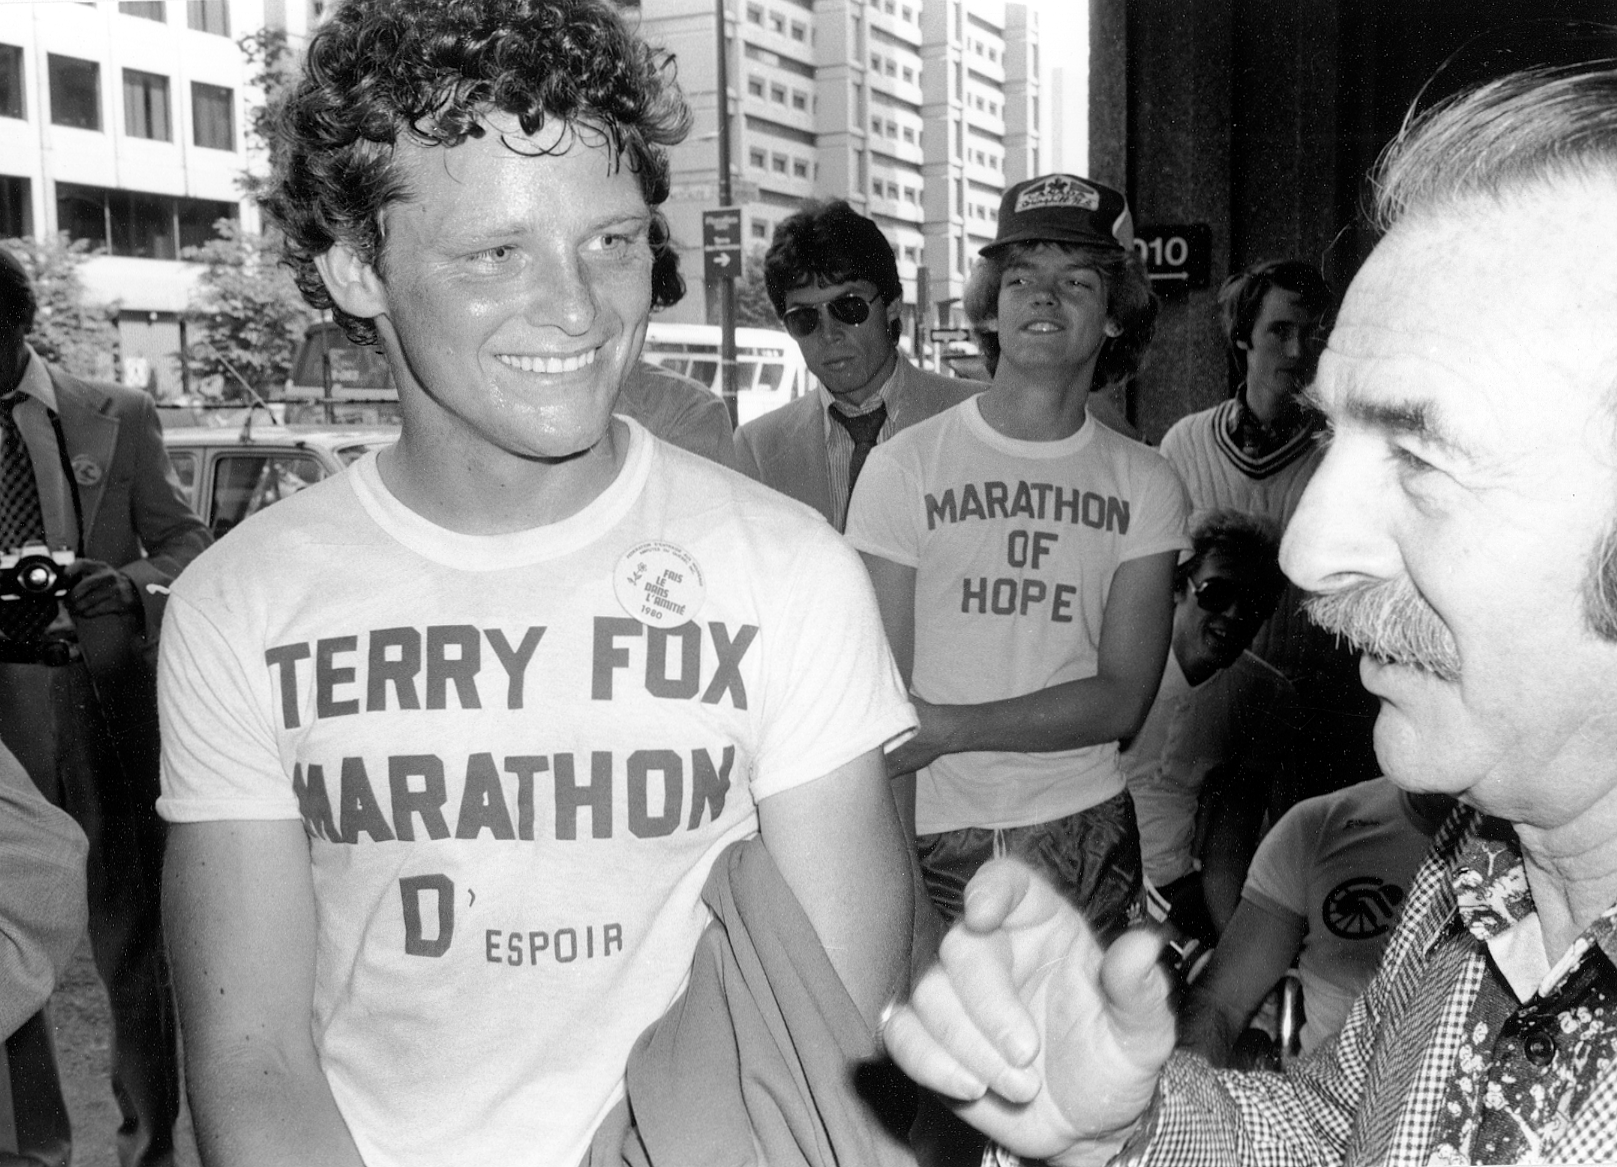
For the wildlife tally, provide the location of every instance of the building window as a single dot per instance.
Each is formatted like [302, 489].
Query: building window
[875, 125]
[208, 16]
[777, 23]
[799, 168]
[16, 208]
[875, 63]
[892, 130]
[760, 229]
[890, 66]
[145, 9]
[755, 86]
[757, 158]
[75, 92]
[778, 163]
[799, 100]
[799, 31]
[777, 94]
[909, 134]
[11, 100]
[755, 14]
[145, 105]
[908, 15]
[133, 223]
[909, 75]
[213, 119]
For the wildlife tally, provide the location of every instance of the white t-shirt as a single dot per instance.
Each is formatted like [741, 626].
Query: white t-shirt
[513, 771]
[1342, 861]
[1242, 716]
[1014, 545]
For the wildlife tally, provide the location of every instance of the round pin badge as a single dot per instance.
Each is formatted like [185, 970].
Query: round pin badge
[659, 584]
[87, 470]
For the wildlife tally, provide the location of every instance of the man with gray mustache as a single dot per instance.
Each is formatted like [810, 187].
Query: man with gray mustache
[1468, 547]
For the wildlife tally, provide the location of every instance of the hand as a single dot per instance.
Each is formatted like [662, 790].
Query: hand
[100, 590]
[929, 743]
[1050, 1046]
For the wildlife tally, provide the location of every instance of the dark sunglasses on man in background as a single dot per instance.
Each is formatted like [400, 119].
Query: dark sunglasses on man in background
[804, 319]
[1219, 595]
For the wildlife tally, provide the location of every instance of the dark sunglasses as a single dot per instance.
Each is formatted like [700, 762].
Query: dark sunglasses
[1220, 595]
[804, 319]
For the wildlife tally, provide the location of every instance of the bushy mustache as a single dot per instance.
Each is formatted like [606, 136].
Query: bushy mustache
[1390, 621]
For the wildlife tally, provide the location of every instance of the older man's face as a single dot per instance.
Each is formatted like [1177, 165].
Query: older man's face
[1470, 381]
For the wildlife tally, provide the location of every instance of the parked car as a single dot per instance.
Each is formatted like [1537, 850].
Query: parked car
[232, 473]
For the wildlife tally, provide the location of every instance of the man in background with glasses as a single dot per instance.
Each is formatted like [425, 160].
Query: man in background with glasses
[833, 280]
[1221, 723]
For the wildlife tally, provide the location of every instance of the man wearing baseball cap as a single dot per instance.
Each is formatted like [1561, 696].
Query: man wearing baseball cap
[1023, 559]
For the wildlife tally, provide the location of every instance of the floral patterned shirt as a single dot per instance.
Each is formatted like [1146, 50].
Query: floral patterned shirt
[1534, 1045]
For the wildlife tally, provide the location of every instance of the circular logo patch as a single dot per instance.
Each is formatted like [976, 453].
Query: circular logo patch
[87, 470]
[1362, 908]
[659, 584]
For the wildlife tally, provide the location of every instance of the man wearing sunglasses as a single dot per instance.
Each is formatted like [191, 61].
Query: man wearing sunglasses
[1023, 559]
[1222, 716]
[833, 280]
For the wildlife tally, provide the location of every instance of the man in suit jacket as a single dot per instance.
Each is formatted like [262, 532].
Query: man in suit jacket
[78, 700]
[834, 283]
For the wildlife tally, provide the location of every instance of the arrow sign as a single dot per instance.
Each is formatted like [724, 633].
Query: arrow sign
[721, 244]
[948, 335]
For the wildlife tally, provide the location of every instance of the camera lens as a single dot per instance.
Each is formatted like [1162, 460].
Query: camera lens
[36, 576]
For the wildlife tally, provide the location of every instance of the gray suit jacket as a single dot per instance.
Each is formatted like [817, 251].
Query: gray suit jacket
[785, 448]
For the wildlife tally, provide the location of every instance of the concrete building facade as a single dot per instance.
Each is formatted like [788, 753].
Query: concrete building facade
[918, 112]
[123, 124]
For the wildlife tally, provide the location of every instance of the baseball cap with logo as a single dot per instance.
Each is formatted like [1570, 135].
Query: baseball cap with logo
[1063, 208]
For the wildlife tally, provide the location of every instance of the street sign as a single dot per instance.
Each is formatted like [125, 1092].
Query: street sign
[1179, 255]
[721, 243]
[949, 335]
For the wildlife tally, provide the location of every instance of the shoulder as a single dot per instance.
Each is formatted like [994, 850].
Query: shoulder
[1190, 427]
[104, 396]
[701, 484]
[271, 549]
[652, 388]
[780, 423]
[925, 394]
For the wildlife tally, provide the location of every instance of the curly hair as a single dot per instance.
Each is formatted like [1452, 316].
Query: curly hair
[1240, 537]
[831, 243]
[431, 71]
[1130, 304]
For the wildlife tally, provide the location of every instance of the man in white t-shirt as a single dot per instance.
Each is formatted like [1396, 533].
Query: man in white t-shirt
[1324, 890]
[1023, 560]
[452, 741]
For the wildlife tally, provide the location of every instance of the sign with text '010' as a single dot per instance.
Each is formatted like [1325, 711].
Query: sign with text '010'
[721, 244]
[1178, 255]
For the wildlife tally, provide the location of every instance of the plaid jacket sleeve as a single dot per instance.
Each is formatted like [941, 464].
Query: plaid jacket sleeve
[1367, 1096]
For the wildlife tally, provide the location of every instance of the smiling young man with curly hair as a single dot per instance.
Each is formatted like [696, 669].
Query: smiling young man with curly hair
[453, 741]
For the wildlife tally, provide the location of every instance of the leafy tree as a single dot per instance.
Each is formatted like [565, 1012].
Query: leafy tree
[269, 52]
[753, 309]
[68, 332]
[246, 317]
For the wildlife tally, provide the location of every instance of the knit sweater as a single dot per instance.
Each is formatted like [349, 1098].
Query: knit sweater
[1219, 475]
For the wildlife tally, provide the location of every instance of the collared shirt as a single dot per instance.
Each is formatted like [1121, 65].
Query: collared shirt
[839, 442]
[1380, 1093]
[36, 381]
[1258, 448]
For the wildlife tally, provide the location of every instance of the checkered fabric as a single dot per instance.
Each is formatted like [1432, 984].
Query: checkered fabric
[1373, 1094]
[21, 521]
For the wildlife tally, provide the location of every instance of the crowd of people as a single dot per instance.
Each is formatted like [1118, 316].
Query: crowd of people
[574, 781]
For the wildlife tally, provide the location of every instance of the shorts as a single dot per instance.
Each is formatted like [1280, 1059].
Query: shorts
[1092, 858]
